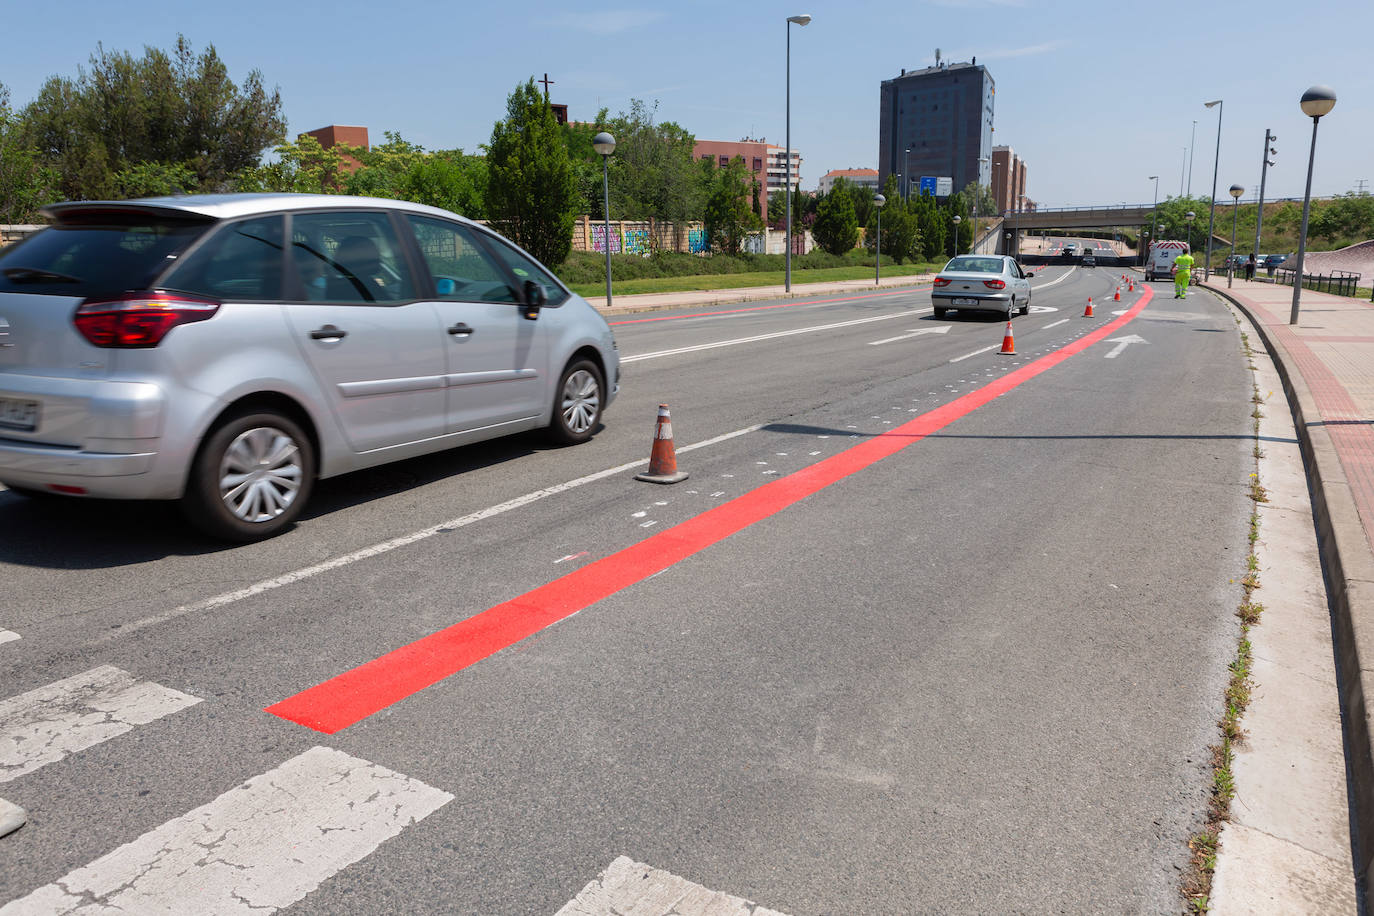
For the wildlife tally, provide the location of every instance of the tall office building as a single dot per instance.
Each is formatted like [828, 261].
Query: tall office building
[937, 122]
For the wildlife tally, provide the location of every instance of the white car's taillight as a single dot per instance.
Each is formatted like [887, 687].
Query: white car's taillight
[138, 320]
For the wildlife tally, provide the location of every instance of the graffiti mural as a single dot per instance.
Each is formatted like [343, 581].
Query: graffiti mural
[599, 239]
[696, 241]
[637, 242]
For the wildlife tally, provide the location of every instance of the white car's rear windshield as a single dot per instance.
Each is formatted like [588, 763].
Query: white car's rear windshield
[976, 265]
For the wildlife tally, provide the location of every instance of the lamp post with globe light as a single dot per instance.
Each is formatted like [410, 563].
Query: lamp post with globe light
[604, 144]
[956, 221]
[1316, 101]
[1236, 191]
[878, 201]
[1216, 164]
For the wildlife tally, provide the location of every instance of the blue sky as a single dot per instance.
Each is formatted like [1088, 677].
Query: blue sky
[1094, 96]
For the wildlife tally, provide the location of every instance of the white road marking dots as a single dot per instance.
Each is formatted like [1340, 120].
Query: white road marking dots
[697, 348]
[259, 847]
[628, 887]
[44, 725]
[974, 353]
[404, 540]
[8, 636]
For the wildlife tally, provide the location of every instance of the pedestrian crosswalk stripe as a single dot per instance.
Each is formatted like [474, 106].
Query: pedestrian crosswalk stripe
[44, 725]
[258, 848]
[627, 886]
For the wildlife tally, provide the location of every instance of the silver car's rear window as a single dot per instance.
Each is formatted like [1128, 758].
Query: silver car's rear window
[94, 255]
[976, 265]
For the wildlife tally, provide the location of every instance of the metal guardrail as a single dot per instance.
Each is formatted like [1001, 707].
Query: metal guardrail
[1340, 282]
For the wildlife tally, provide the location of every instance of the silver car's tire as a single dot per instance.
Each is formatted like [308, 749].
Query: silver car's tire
[577, 403]
[251, 477]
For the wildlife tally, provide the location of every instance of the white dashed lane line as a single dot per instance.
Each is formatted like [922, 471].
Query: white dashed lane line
[259, 847]
[627, 886]
[45, 725]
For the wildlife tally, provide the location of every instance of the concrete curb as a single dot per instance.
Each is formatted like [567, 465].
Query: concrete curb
[1348, 566]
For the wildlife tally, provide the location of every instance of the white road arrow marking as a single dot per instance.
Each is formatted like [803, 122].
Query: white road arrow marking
[1122, 343]
[940, 330]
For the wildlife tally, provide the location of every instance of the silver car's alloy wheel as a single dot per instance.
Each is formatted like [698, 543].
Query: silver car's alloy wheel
[260, 474]
[581, 402]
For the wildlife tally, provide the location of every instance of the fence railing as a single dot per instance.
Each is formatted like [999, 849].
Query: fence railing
[1340, 282]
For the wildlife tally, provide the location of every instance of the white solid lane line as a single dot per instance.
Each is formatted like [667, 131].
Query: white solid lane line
[44, 725]
[258, 848]
[697, 348]
[630, 887]
[404, 540]
[8, 636]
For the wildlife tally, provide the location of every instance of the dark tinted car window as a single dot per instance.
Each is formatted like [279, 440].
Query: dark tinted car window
[526, 269]
[348, 256]
[462, 271]
[109, 254]
[242, 260]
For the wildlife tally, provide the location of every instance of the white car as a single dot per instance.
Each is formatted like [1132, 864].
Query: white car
[228, 350]
[982, 282]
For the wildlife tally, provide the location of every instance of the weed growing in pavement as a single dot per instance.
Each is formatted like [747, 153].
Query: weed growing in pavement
[1197, 880]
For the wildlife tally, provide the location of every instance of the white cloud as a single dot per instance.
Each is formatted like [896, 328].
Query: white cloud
[606, 22]
[964, 55]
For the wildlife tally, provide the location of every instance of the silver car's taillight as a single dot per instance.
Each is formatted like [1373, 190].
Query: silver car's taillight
[138, 320]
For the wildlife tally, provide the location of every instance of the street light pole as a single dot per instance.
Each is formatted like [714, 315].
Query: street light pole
[1236, 191]
[978, 199]
[1264, 173]
[1192, 144]
[801, 19]
[878, 201]
[604, 144]
[956, 221]
[1316, 101]
[1207, 264]
[1154, 210]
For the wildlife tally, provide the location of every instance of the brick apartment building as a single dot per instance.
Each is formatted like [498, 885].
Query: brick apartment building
[765, 161]
[1009, 180]
[864, 178]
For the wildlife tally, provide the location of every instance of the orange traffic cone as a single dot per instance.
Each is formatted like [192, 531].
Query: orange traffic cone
[1130, 288]
[1088, 312]
[663, 457]
[1117, 297]
[1008, 344]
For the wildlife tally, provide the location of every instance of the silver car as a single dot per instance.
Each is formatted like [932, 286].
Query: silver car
[983, 282]
[228, 350]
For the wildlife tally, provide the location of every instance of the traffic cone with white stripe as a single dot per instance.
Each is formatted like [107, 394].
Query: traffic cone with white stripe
[1008, 343]
[1130, 286]
[663, 457]
[1088, 312]
[1117, 297]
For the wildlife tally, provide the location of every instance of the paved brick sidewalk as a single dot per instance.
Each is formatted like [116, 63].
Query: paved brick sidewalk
[1327, 364]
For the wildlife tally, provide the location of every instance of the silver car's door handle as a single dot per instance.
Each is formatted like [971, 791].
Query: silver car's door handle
[460, 330]
[328, 332]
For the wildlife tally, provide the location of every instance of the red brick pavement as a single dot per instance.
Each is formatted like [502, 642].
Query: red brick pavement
[1332, 346]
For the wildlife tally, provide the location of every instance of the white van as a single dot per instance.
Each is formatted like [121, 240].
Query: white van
[1159, 265]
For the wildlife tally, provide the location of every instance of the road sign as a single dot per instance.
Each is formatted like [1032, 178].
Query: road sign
[944, 186]
[928, 183]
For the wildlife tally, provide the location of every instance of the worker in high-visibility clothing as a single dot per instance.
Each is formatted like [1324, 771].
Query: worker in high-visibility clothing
[1183, 266]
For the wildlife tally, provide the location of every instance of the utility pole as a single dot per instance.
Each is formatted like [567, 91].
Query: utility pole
[1268, 151]
[1360, 183]
[1191, 144]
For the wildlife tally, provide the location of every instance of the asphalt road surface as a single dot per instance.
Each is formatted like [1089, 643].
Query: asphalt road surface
[929, 628]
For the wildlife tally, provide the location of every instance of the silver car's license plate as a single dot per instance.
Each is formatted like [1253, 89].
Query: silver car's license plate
[20, 415]
[965, 301]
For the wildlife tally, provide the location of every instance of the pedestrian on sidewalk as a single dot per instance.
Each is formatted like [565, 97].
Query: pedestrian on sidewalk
[1183, 265]
[1250, 267]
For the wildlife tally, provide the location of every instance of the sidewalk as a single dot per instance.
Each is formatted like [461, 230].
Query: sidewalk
[1326, 363]
[652, 302]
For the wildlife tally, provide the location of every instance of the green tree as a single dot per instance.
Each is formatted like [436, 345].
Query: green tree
[728, 217]
[901, 234]
[836, 228]
[1346, 219]
[531, 190]
[932, 226]
[25, 183]
[176, 110]
[303, 167]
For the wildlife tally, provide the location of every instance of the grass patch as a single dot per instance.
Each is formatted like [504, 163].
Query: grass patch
[743, 280]
[1203, 846]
